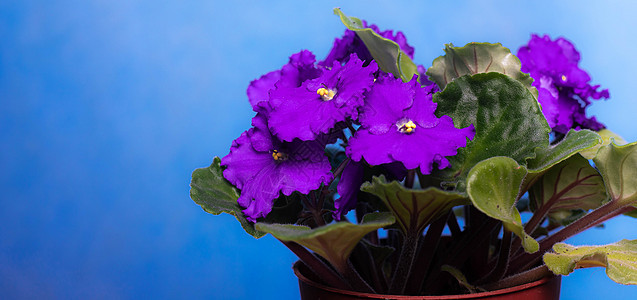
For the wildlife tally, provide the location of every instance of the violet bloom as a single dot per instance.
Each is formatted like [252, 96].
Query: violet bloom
[398, 124]
[299, 69]
[351, 180]
[316, 106]
[262, 167]
[564, 89]
[350, 43]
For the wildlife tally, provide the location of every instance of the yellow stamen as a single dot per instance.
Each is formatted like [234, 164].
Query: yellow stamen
[563, 77]
[278, 155]
[326, 94]
[407, 127]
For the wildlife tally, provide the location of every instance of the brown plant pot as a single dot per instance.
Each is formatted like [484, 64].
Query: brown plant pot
[544, 289]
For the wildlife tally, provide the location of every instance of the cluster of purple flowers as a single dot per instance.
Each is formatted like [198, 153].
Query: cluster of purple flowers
[305, 106]
[564, 88]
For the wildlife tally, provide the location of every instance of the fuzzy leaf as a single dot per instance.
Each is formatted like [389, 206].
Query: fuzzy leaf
[385, 52]
[618, 166]
[476, 58]
[607, 137]
[571, 185]
[493, 186]
[507, 119]
[619, 259]
[462, 280]
[414, 209]
[216, 195]
[573, 142]
[333, 242]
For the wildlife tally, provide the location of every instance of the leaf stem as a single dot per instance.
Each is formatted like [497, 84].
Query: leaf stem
[520, 278]
[425, 255]
[503, 259]
[322, 270]
[597, 216]
[405, 263]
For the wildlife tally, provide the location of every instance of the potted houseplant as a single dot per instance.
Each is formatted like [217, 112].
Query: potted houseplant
[388, 178]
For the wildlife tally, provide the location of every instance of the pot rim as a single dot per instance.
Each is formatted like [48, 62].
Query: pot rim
[504, 291]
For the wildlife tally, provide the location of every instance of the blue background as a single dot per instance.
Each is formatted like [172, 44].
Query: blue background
[106, 107]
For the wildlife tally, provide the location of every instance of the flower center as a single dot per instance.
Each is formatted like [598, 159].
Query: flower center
[406, 126]
[326, 94]
[564, 78]
[279, 156]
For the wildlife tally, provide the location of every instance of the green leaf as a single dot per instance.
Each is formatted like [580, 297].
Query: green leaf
[573, 142]
[385, 52]
[333, 242]
[571, 185]
[607, 137]
[494, 186]
[414, 209]
[506, 117]
[216, 195]
[619, 259]
[632, 213]
[476, 58]
[618, 166]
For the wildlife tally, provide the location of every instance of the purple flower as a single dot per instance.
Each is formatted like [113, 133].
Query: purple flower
[351, 43]
[351, 180]
[318, 104]
[348, 187]
[299, 69]
[262, 167]
[398, 124]
[564, 89]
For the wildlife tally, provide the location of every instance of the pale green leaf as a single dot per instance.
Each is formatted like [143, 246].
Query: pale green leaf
[387, 53]
[334, 241]
[216, 195]
[618, 166]
[607, 138]
[476, 58]
[494, 186]
[506, 117]
[414, 209]
[573, 142]
[619, 259]
[571, 185]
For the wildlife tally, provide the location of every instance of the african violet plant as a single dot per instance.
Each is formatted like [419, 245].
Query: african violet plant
[466, 146]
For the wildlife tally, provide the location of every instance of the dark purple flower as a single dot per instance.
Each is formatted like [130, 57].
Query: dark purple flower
[351, 180]
[318, 104]
[348, 187]
[398, 124]
[299, 69]
[350, 43]
[564, 89]
[262, 167]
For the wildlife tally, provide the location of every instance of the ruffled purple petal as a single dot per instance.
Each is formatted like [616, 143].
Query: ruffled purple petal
[385, 104]
[423, 108]
[304, 114]
[423, 148]
[299, 68]
[564, 89]
[252, 167]
[258, 89]
[399, 125]
[348, 187]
